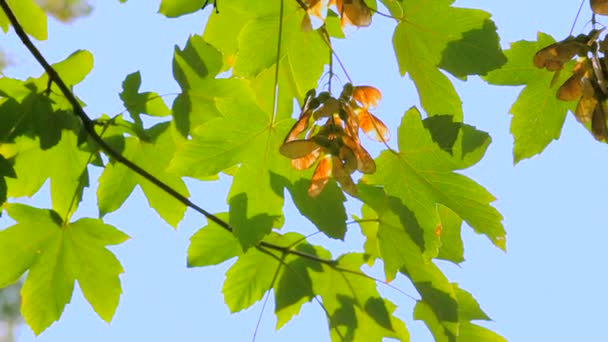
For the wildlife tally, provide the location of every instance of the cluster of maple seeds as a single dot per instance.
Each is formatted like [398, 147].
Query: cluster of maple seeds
[587, 84]
[335, 143]
[351, 12]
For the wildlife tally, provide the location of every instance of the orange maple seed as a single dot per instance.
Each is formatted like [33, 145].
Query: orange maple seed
[298, 148]
[599, 7]
[318, 9]
[343, 177]
[320, 177]
[368, 96]
[372, 126]
[355, 12]
[303, 121]
[307, 161]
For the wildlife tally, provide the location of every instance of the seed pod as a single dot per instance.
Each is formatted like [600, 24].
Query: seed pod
[598, 124]
[599, 7]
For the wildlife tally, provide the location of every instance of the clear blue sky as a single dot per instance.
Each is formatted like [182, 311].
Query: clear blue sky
[549, 286]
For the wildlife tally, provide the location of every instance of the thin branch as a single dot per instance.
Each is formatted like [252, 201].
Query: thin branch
[274, 279]
[80, 180]
[325, 36]
[275, 100]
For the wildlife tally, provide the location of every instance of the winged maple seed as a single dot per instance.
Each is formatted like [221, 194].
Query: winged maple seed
[335, 144]
[351, 12]
[587, 84]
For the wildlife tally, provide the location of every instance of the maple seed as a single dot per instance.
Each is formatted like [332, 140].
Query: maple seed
[599, 7]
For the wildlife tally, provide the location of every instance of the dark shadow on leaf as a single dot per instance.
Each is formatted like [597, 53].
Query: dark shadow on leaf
[248, 231]
[444, 131]
[476, 53]
[376, 309]
[35, 117]
[182, 107]
[194, 61]
[443, 305]
[294, 285]
[325, 211]
[345, 316]
[472, 139]
[408, 221]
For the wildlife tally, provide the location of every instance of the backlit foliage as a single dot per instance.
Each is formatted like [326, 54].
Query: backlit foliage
[239, 80]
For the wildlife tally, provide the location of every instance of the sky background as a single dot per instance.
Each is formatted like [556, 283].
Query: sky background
[549, 286]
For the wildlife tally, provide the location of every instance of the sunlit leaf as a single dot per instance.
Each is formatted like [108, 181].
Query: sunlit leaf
[30, 16]
[56, 254]
[420, 42]
[422, 175]
[538, 116]
[117, 181]
[212, 245]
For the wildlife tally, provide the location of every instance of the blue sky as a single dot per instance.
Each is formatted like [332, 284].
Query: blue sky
[549, 286]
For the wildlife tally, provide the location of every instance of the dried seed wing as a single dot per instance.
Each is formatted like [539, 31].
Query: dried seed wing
[348, 158]
[598, 123]
[555, 55]
[307, 161]
[343, 177]
[586, 105]
[571, 90]
[585, 108]
[320, 177]
[298, 148]
[599, 7]
[303, 121]
[357, 12]
[328, 108]
[372, 126]
[367, 96]
[365, 162]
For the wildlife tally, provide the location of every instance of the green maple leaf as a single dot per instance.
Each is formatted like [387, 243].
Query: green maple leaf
[195, 68]
[57, 253]
[355, 309]
[118, 181]
[141, 103]
[422, 45]
[254, 273]
[538, 116]
[301, 59]
[31, 17]
[65, 164]
[27, 109]
[176, 8]
[212, 245]
[242, 131]
[421, 176]
[468, 310]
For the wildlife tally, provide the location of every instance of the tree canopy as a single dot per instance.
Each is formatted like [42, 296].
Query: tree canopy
[267, 105]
